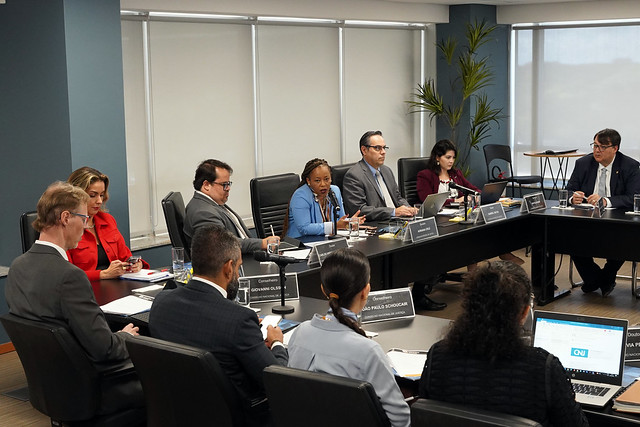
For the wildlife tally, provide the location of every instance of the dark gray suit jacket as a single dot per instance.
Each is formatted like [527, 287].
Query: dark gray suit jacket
[42, 285]
[360, 191]
[624, 183]
[198, 315]
[203, 211]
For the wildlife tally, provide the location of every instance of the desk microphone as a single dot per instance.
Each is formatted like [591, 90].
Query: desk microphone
[463, 188]
[278, 259]
[334, 200]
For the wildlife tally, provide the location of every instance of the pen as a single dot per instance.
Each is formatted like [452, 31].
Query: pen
[272, 233]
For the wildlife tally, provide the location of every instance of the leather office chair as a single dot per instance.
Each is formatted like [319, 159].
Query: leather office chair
[63, 383]
[270, 197]
[501, 152]
[408, 169]
[173, 208]
[434, 413]
[320, 399]
[183, 385]
[27, 233]
[338, 172]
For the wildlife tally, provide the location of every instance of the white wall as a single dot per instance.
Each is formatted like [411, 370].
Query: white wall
[569, 11]
[335, 9]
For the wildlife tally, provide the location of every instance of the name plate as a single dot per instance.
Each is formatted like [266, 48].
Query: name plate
[265, 288]
[388, 305]
[533, 202]
[632, 351]
[322, 250]
[490, 213]
[421, 229]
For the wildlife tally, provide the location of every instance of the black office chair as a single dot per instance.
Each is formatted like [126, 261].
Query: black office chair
[408, 169]
[28, 234]
[173, 208]
[338, 172]
[434, 413]
[63, 383]
[320, 399]
[270, 197]
[499, 152]
[183, 385]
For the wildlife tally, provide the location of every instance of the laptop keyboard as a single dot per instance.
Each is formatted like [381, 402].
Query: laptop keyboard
[591, 390]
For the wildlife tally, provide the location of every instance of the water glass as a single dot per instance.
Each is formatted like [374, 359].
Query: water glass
[177, 263]
[244, 291]
[636, 203]
[273, 246]
[417, 206]
[563, 198]
[354, 227]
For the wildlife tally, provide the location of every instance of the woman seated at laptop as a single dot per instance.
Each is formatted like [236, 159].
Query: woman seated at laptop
[440, 173]
[337, 345]
[311, 208]
[484, 361]
[102, 253]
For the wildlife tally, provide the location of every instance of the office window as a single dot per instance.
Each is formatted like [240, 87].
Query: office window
[265, 98]
[570, 83]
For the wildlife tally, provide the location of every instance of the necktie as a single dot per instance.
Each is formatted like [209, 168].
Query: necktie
[385, 192]
[602, 183]
[236, 222]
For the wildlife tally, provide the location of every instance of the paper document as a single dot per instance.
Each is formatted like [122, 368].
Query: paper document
[149, 288]
[407, 363]
[146, 275]
[130, 304]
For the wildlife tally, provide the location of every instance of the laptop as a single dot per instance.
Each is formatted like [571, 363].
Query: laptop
[591, 350]
[432, 204]
[492, 191]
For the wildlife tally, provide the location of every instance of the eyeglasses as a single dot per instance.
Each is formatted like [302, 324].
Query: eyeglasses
[379, 148]
[599, 147]
[85, 218]
[224, 185]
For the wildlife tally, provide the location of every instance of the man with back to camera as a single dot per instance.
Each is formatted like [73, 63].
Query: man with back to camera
[610, 175]
[43, 285]
[203, 313]
[369, 186]
[209, 206]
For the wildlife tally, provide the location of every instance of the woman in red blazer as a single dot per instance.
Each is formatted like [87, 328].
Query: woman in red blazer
[102, 253]
[438, 175]
[440, 172]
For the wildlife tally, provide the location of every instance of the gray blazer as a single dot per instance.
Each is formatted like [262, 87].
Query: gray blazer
[42, 285]
[361, 191]
[329, 346]
[203, 211]
[197, 314]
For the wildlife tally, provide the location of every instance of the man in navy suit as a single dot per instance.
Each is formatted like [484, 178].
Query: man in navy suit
[370, 187]
[209, 206]
[203, 314]
[609, 175]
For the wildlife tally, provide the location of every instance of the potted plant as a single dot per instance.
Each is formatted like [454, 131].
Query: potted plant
[470, 74]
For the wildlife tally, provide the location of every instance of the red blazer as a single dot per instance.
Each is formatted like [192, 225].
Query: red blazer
[85, 255]
[428, 183]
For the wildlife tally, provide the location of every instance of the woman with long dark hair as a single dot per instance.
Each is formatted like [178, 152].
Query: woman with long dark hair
[484, 362]
[337, 345]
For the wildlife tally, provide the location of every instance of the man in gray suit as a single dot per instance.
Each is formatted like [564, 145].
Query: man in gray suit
[209, 206]
[203, 314]
[43, 285]
[369, 186]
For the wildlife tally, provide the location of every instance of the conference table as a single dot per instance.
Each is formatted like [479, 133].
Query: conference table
[417, 333]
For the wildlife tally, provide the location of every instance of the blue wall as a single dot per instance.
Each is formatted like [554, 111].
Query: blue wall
[498, 52]
[62, 106]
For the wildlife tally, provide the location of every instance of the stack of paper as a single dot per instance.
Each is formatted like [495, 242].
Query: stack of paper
[148, 275]
[629, 400]
[130, 304]
[407, 363]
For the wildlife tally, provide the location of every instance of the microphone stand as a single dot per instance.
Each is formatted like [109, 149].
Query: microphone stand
[336, 209]
[282, 308]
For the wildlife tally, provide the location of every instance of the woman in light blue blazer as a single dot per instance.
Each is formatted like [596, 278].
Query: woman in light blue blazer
[337, 345]
[311, 208]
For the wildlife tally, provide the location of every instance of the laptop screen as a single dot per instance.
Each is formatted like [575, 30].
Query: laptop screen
[590, 348]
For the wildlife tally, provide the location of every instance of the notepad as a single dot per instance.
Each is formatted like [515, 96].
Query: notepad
[146, 275]
[407, 363]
